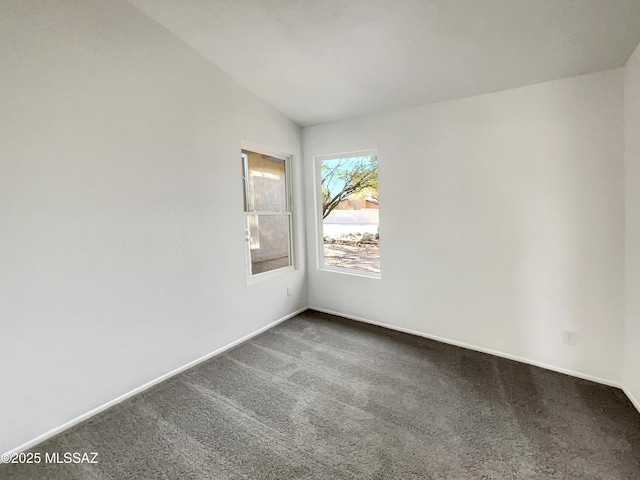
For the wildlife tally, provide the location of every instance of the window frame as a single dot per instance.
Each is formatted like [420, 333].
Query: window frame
[317, 180]
[288, 169]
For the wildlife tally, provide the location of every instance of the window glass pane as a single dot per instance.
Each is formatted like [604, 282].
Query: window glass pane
[269, 242]
[350, 213]
[266, 189]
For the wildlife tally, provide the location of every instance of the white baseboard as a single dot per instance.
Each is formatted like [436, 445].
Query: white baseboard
[535, 363]
[142, 388]
[632, 398]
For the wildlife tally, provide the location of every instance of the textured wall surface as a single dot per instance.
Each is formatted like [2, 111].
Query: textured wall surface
[501, 221]
[632, 225]
[122, 247]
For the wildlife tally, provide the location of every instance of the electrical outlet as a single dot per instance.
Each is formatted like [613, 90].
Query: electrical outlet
[289, 291]
[569, 337]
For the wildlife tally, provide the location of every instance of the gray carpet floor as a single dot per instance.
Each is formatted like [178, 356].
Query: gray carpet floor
[319, 397]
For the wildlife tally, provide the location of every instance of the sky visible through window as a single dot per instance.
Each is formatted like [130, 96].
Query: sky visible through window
[336, 183]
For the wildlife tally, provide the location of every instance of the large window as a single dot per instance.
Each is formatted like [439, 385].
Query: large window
[267, 211]
[348, 213]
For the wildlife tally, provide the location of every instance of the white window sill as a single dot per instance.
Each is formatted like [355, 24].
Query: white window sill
[261, 277]
[351, 271]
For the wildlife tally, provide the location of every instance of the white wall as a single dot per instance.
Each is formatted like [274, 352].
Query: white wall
[121, 244]
[632, 195]
[501, 221]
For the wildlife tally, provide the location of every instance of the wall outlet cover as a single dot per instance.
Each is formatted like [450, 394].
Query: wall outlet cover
[570, 337]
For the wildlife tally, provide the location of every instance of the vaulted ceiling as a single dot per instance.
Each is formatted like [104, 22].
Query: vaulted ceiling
[324, 60]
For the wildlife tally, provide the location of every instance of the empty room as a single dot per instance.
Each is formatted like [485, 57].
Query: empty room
[332, 239]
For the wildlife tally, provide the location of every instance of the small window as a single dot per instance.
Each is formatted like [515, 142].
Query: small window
[349, 213]
[267, 211]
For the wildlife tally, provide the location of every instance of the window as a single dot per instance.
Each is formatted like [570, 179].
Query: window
[348, 213]
[267, 210]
